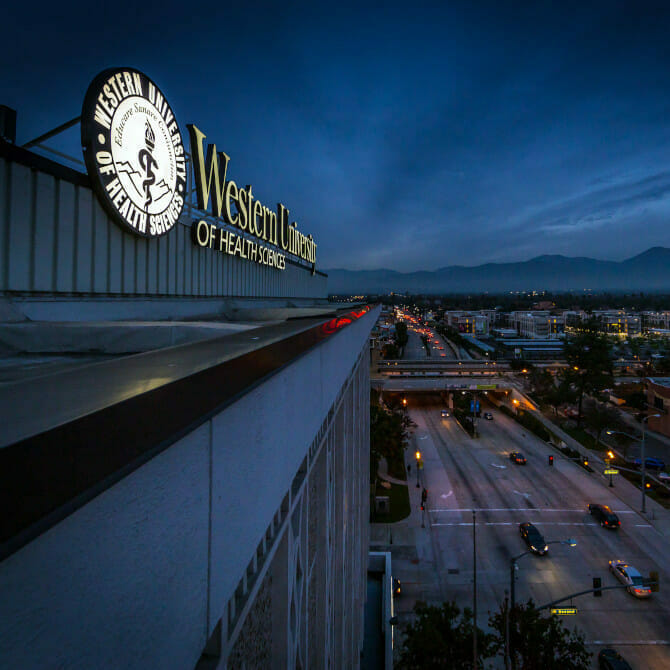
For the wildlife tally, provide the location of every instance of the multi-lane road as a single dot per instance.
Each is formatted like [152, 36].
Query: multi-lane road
[463, 474]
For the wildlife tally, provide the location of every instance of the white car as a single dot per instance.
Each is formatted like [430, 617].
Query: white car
[631, 577]
[664, 476]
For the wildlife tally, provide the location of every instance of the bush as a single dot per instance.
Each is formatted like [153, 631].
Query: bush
[534, 425]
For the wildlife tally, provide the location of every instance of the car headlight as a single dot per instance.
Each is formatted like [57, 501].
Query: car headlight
[546, 547]
[533, 548]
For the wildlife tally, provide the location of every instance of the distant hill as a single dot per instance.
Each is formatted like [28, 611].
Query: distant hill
[648, 271]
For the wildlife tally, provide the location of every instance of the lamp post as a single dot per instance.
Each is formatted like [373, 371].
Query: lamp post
[474, 589]
[512, 567]
[643, 459]
[611, 457]
[418, 460]
[643, 463]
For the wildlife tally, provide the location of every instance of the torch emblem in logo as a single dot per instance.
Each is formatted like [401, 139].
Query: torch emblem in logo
[148, 162]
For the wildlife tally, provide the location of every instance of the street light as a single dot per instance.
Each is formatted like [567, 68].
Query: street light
[643, 463]
[570, 542]
[610, 456]
[418, 460]
[642, 458]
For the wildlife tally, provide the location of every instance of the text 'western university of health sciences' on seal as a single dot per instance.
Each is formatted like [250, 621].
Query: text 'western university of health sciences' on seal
[134, 152]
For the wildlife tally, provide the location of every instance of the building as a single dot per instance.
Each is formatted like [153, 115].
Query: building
[469, 323]
[186, 456]
[537, 324]
[658, 399]
[619, 322]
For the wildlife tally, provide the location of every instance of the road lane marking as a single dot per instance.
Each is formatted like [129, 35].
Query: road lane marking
[502, 467]
[446, 495]
[614, 643]
[519, 509]
[508, 523]
[525, 495]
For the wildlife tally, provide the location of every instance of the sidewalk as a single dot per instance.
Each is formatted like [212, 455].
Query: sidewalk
[408, 541]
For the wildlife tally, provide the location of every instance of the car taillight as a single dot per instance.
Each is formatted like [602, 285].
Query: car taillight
[618, 523]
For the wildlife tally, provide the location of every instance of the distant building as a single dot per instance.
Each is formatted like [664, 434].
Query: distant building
[656, 321]
[619, 322]
[469, 323]
[537, 324]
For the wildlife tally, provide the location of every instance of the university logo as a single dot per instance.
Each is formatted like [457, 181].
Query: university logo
[134, 152]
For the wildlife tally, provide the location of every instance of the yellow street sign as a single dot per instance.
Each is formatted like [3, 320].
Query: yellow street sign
[611, 471]
[564, 611]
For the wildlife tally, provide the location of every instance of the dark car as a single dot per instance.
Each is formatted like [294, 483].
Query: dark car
[488, 416]
[518, 458]
[651, 463]
[611, 659]
[533, 538]
[604, 516]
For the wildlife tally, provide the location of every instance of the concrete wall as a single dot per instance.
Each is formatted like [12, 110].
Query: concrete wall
[211, 530]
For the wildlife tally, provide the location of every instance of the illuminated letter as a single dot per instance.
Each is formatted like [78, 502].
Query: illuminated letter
[205, 169]
[197, 230]
[283, 226]
[231, 193]
[254, 227]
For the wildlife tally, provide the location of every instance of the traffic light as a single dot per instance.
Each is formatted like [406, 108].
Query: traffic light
[424, 496]
[551, 460]
[422, 507]
[597, 586]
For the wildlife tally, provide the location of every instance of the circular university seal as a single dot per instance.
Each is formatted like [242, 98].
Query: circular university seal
[134, 152]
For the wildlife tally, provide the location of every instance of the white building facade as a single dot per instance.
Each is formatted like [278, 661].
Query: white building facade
[201, 505]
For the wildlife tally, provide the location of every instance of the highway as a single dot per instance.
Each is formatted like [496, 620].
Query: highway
[462, 474]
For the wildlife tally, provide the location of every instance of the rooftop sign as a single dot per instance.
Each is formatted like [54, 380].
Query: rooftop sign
[238, 207]
[134, 152]
[135, 157]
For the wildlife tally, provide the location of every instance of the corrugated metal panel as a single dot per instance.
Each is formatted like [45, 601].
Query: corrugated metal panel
[56, 238]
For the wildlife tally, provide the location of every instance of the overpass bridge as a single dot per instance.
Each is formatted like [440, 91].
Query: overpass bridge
[438, 375]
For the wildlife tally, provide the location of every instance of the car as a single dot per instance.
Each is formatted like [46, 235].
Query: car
[604, 515]
[650, 463]
[610, 659]
[631, 577]
[444, 412]
[518, 458]
[663, 476]
[488, 416]
[533, 538]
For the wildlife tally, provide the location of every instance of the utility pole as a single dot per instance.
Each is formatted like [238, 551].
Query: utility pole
[474, 590]
[507, 660]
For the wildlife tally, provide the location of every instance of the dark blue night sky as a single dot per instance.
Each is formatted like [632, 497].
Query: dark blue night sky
[408, 136]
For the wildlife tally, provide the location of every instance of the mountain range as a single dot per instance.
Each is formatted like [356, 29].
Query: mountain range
[648, 271]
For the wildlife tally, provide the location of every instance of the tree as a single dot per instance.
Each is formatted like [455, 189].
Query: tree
[401, 335]
[541, 381]
[388, 435]
[539, 642]
[599, 417]
[390, 350]
[561, 392]
[588, 355]
[441, 637]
